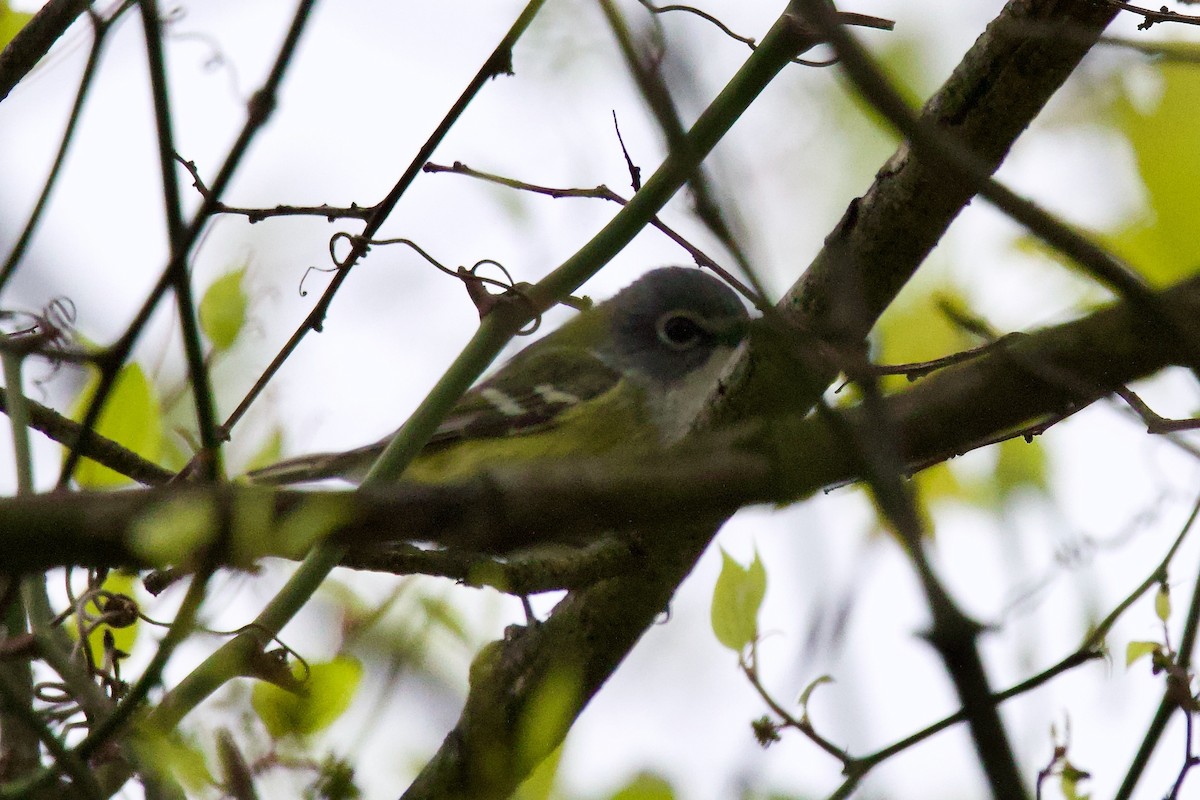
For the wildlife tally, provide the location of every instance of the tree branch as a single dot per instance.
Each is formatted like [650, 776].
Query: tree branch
[764, 460]
[35, 40]
[999, 87]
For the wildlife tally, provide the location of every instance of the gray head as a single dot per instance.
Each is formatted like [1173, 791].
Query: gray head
[669, 322]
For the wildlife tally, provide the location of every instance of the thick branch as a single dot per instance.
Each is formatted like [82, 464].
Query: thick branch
[999, 87]
[766, 460]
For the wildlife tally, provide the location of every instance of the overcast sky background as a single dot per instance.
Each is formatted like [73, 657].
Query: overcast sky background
[370, 82]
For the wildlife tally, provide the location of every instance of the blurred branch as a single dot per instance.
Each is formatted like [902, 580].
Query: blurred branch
[657, 95]
[181, 279]
[104, 451]
[953, 634]
[258, 111]
[100, 28]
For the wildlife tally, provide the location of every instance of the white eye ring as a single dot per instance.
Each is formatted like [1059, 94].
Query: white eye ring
[680, 330]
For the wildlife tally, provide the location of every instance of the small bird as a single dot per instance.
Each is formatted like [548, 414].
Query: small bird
[631, 371]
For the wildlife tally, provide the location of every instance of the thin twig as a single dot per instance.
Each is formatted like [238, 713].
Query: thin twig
[499, 62]
[1154, 422]
[1151, 18]
[258, 111]
[185, 304]
[99, 35]
[862, 20]
[254, 215]
[948, 151]
[600, 192]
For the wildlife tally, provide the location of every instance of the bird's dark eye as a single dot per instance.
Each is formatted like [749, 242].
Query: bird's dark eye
[679, 331]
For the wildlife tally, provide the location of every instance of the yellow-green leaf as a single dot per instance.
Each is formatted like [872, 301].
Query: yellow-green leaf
[646, 786]
[1162, 602]
[938, 482]
[269, 453]
[131, 417]
[1164, 145]
[11, 23]
[1136, 650]
[446, 615]
[170, 754]
[324, 697]
[223, 309]
[806, 695]
[1069, 781]
[916, 329]
[548, 715]
[172, 531]
[1020, 465]
[736, 599]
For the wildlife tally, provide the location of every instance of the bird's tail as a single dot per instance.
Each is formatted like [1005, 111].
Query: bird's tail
[351, 465]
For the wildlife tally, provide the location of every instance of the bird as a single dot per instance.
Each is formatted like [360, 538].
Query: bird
[632, 371]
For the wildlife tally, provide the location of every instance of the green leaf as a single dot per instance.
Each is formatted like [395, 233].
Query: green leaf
[1021, 465]
[325, 696]
[223, 309]
[11, 23]
[916, 329]
[938, 482]
[446, 615]
[1164, 145]
[170, 754]
[1069, 781]
[1136, 650]
[808, 691]
[646, 786]
[548, 715]
[541, 782]
[1162, 602]
[172, 531]
[269, 453]
[736, 599]
[132, 417]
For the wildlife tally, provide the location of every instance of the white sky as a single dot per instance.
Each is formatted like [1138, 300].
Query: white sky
[372, 79]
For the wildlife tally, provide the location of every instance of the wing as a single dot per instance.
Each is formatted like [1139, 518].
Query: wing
[524, 397]
[527, 395]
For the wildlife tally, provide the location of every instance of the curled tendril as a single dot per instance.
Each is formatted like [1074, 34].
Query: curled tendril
[510, 287]
[469, 276]
[749, 41]
[53, 326]
[310, 270]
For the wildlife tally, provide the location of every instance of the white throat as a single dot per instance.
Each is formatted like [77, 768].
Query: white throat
[677, 410]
